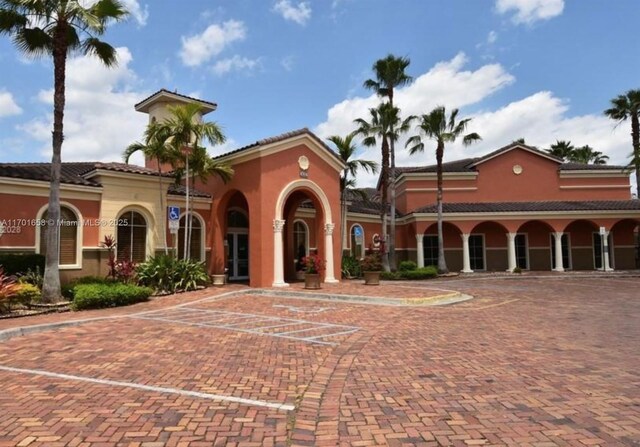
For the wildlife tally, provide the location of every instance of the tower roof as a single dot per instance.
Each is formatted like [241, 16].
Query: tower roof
[165, 96]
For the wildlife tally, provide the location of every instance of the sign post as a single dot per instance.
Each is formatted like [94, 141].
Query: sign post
[173, 214]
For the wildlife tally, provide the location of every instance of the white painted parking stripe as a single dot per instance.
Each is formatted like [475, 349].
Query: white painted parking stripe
[156, 389]
[332, 334]
[248, 331]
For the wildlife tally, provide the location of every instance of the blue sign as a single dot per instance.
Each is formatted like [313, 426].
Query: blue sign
[357, 231]
[174, 213]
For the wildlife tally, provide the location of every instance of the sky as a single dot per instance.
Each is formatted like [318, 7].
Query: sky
[543, 70]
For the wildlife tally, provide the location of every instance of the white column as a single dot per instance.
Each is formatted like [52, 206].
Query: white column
[420, 248]
[328, 246]
[466, 261]
[605, 252]
[278, 255]
[511, 251]
[558, 248]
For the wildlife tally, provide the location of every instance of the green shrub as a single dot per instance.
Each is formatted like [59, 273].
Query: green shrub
[517, 270]
[32, 277]
[421, 273]
[68, 288]
[390, 276]
[406, 266]
[165, 274]
[351, 267]
[97, 296]
[14, 263]
[27, 294]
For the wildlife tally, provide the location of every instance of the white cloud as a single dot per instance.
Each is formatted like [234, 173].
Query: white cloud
[492, 37]
[530, 11]
[235, 63]
[540, 118]
[138, 12]
[200, 48]
[300, 13]
[8, 105]
[288, 63]
[446, 83]
[100, 121]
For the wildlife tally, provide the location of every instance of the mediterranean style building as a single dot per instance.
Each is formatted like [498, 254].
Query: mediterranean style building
[516, 207]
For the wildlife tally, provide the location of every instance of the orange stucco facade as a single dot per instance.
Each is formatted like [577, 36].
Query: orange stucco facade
[516, 207]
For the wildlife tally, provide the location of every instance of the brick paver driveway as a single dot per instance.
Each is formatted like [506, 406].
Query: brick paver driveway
[528, 362]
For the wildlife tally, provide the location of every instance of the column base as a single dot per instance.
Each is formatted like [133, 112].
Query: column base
[331, 281]
[466, 271]
[280, 284]
[558, 270]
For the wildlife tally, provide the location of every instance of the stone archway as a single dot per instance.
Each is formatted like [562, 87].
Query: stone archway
[312, 191]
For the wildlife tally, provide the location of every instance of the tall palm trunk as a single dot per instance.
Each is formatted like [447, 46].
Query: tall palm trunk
[635, 137]
[163, 225]
[385, 201]
[51, 283]
[392, 194]
[186, 217]
[343, 211]
[442, 264]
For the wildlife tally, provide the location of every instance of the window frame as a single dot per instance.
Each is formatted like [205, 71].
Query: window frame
[79, 235]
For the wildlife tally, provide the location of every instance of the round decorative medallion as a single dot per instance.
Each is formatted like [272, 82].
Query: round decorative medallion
[303, 162]
[517, 169]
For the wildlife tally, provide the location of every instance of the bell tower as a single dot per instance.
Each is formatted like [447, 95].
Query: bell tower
[157, 107]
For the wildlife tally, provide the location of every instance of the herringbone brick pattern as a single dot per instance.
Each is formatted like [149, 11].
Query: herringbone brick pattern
[529, 362]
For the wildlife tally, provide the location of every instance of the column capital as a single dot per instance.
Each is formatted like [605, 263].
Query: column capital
[465, 236]
[511, 235]
[328, 229]
[558, 234]
[278, 225]
[420, 237]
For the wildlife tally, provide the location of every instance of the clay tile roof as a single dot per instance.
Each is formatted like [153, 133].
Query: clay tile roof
[131, 169]
[70, 173]
[181, 190]
[162, 91]
[559, 206]
[450, 166]
[73, 173]
[283, 137]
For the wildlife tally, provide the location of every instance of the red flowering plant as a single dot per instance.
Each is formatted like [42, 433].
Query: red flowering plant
[313, 264]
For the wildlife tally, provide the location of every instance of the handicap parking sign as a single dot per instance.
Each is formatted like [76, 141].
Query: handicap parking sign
[174, 213]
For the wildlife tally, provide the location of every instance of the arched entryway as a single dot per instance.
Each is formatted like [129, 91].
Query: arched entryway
[302, 201]
[535, 246]
[488, 249]
[625, 244]
[451, 235]
[236, 237]
[584, 246]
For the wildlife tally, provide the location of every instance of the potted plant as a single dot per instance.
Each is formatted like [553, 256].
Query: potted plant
[313, 265]
[371, 269]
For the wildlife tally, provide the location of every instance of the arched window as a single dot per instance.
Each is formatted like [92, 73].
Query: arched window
[357, 241]
[195, 247]
[237, 219]
[67, 238]
[132, 237]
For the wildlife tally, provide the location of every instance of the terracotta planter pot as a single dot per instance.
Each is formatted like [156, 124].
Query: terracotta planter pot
[371, 278]
[311, 280]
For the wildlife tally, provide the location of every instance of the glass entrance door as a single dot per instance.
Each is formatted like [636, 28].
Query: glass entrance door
[238, 260]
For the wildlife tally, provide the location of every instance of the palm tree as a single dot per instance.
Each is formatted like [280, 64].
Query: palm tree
[346, 150]
[586, 154]
[389, 74]
[436, 126]
[186, 130]
[201, 167]
[624, 107]
[59, 28]
[384, 127]
[561, 149]
[154, 147]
